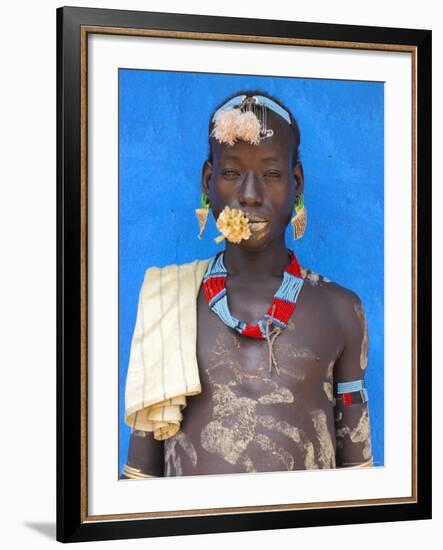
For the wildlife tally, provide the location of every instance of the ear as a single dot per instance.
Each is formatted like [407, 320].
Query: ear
[299, 178]
[206, 177]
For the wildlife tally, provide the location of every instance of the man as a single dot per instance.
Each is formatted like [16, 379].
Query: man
[284, 393]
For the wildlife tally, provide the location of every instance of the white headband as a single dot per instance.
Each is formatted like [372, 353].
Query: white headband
[257, 100]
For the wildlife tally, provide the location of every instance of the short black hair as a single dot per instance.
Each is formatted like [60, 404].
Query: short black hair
[294, 124]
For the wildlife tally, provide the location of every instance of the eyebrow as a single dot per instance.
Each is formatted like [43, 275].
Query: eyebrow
[231, 157]
[271, 158]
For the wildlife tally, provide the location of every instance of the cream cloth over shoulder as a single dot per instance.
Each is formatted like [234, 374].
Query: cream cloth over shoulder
[163, 367]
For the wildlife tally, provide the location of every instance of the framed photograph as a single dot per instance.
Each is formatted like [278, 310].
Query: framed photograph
[244, 274]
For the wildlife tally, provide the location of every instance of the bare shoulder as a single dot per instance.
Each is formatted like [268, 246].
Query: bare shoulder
[345, 303]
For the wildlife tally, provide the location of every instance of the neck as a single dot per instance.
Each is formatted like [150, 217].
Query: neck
[256, 265]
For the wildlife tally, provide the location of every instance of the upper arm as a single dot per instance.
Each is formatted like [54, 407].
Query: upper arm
[352, 427]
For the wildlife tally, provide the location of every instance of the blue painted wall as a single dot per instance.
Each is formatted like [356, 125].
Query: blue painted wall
[163, 143]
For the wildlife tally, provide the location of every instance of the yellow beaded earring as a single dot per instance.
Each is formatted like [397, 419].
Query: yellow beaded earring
[202, 213]
[299, 221]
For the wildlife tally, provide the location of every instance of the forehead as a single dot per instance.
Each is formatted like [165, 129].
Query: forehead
[280, 145]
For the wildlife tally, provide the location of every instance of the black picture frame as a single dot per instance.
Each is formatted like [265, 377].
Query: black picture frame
[73, 522]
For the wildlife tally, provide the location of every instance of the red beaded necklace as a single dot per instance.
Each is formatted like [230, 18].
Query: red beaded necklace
[279, 312]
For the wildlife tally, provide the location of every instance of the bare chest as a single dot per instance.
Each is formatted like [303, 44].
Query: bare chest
[304, 352]
[252, 416]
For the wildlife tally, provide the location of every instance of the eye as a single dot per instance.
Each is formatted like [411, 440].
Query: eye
[272, 174]
[229, 173]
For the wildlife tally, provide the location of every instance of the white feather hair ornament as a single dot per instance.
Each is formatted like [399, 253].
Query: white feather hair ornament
[233, 124]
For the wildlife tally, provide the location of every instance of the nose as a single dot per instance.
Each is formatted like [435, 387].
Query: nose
[251, 193]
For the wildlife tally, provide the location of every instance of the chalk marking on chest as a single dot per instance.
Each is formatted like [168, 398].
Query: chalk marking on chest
[172, 459]
[269, 446]
[297, 435]
[326, 448]
[235, 422]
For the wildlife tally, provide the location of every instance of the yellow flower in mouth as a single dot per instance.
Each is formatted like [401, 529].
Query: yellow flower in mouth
[233, 225]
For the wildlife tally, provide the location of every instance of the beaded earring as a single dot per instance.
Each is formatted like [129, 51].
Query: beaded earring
[299, 221]
[202, 213]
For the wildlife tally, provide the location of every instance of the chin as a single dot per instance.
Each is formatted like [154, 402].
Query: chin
[256, 242]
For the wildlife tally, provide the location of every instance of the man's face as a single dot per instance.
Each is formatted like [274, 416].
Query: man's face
[257, 179]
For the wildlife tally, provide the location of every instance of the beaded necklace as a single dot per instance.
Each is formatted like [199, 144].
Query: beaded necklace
[278, 313]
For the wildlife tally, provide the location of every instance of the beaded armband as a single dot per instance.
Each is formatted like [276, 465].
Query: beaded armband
[352, 392]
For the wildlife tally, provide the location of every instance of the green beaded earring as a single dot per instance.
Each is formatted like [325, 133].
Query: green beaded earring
[202, 213]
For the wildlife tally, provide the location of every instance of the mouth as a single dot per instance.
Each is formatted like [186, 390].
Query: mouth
[257, 224]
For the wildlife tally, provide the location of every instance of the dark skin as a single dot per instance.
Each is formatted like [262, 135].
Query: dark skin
[248, 417]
